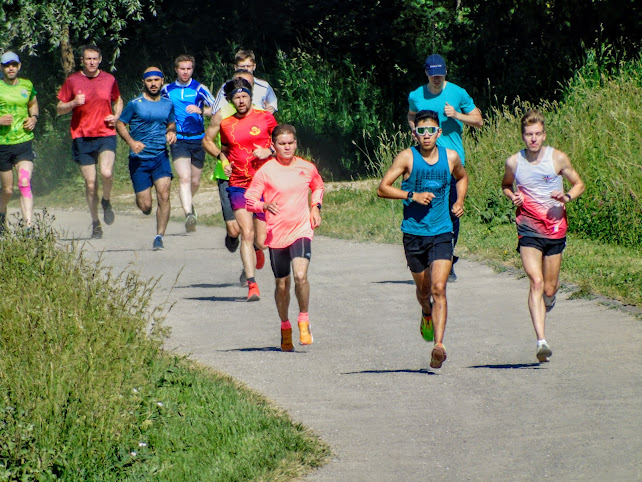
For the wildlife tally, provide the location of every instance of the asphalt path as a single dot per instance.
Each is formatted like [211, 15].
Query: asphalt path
[365, 385]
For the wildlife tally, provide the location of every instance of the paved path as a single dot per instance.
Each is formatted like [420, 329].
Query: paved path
[492, 412]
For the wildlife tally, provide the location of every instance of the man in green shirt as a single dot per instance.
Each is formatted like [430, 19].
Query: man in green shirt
[18, 117]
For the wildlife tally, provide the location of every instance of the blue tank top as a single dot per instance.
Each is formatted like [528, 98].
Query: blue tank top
[433, 219]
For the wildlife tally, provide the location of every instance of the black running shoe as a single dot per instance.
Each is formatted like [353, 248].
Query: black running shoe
[232, 244]
[108, 212]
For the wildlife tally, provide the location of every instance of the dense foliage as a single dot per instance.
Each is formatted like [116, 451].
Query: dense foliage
[347, 62]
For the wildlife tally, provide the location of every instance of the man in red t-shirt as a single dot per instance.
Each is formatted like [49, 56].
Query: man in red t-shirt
[245, 137]
[94, 100]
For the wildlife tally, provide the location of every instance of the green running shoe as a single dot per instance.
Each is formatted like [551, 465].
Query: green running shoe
[426, 328]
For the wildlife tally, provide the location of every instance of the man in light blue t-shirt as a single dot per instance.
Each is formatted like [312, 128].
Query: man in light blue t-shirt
[455, 108]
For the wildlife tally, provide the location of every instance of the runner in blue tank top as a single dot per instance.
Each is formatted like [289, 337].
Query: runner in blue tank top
[426, 172]
[455, 108]
[191, 100]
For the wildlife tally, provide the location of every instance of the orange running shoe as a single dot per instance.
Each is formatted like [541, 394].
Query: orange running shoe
[260, 258]
[305, 337]
[286, 340]
[253, 292]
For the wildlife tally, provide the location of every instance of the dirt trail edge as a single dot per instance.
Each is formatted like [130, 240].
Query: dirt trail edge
[491, 412]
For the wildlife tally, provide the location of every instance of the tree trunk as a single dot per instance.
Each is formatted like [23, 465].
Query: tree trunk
[67, 54]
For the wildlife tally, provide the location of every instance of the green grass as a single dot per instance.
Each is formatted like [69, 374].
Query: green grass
[86, 392]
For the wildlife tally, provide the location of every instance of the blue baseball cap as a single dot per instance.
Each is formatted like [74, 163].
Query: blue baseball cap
[435, 65]
[9, 57]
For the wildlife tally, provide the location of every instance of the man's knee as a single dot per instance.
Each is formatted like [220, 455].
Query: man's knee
[145, 206]
[24, 183]
[7, 189]
[282, 285]
[438, 289]
[551, 290]
[90, 186]
[300, 277]
[537, 283]
[247, 233]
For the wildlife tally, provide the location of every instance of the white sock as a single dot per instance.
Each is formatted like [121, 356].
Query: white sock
[541, 342]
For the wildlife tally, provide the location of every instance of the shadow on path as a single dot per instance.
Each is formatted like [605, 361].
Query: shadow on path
[406, 370]
[513, 366]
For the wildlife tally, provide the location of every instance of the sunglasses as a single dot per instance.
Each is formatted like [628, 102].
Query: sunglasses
[430, 130]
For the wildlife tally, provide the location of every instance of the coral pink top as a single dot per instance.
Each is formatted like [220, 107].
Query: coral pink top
[288, 186]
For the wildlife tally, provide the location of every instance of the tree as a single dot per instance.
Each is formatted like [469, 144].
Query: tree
[31, 25]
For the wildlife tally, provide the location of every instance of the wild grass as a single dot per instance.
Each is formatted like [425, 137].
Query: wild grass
[86, 392]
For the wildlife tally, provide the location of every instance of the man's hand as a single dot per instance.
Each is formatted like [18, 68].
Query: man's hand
[79, 99]
[261, 152]
[171, 137]
[518, 199]
[6, 120]
[315, 217]
[458, 209]
[193, 109]
[271, 207]
[30, 123]
[450, 111]
[137, 147]
[110, 120]
[423, 197]
[559, 196]
[228, 169]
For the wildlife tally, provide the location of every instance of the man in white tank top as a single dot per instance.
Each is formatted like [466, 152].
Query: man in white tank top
[533, 181]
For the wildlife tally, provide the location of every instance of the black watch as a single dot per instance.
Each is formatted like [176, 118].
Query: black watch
[410, 194]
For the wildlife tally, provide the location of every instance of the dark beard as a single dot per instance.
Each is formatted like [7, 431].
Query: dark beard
[153, 96]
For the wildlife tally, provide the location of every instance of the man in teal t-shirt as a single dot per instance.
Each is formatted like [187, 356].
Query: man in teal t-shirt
[455, 108]
[18, 117]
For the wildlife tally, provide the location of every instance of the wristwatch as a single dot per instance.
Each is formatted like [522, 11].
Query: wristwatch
[410, 194]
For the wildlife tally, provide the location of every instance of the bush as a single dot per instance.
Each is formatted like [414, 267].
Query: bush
[330, 105]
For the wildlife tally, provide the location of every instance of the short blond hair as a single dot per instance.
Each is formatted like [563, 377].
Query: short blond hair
[532, 117]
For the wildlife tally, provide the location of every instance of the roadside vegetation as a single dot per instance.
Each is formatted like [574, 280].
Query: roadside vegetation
[87, 393]
[598, 124]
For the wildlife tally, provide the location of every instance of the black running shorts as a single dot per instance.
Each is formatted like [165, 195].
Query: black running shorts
[548, 247]
[280, 258]
[421, 251]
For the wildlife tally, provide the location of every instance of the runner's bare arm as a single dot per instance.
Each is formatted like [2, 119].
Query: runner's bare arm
[509, 180]
[564, 167]
[210, 134]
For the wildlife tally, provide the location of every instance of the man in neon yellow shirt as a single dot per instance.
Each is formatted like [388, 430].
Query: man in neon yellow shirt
[18, 117]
